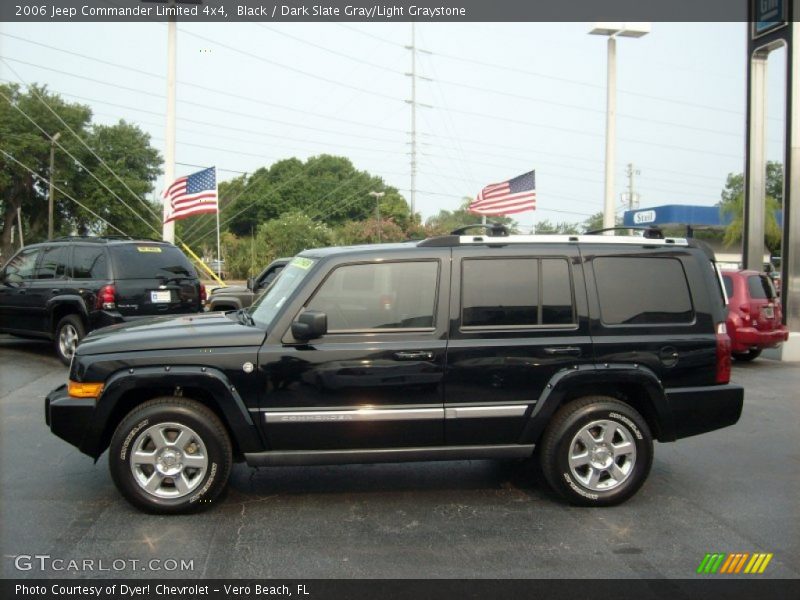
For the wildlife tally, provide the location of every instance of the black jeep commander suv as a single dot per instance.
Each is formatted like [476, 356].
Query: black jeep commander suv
[63, 288]
[580, 350]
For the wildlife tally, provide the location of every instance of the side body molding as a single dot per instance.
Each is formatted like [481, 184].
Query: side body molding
[587, 377]
[213, 381]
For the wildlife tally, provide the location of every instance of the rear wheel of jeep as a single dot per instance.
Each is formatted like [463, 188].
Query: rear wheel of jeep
[747, 356]
[597, 451]
[170, 455]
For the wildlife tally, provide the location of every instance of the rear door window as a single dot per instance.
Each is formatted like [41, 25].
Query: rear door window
[760, 287]
[89, 262]
[642, 291]
[54, 263]
[149, 261]
[516, 292]
[728, 282]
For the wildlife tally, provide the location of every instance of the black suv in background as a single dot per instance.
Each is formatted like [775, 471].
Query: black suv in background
[582, 349]
[63, 288]
[234, 297]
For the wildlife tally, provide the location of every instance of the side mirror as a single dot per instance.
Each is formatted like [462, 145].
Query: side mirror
[251, 283]
[310, 325]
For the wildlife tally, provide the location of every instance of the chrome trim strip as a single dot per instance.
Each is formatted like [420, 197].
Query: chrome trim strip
[355, 415]
[485, 412]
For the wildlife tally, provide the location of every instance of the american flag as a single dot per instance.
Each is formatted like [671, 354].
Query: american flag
[192, 195]
[506, 198]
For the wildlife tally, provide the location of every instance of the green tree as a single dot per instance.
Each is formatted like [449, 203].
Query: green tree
[366, 232]
[732, 205]
[564, 228]
[446, 221]
[123, 147]
[293, 232]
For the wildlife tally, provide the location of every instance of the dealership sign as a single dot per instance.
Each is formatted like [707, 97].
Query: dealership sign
[768, 15]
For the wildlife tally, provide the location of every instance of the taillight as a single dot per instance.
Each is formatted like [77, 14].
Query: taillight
[723, 354]
[106, 298]
[203, 294]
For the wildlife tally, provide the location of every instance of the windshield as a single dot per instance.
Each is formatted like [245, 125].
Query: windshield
[270, 302]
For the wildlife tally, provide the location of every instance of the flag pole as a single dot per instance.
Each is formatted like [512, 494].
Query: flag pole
[219, 255]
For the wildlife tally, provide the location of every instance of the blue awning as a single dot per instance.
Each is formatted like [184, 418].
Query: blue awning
[681, 214]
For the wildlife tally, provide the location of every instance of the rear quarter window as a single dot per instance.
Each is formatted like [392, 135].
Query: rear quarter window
[642, 291]
[760, 287]
[146, 261]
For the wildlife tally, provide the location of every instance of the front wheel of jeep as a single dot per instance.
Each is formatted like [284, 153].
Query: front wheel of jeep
[596, 451]
[170, 455]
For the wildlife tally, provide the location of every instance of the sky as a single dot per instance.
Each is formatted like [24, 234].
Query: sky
[496, 100]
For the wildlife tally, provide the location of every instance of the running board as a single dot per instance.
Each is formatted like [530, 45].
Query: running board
[292, 458]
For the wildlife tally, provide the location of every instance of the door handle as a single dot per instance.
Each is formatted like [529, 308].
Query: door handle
[55, 291]
[413, 355]
[563, 351]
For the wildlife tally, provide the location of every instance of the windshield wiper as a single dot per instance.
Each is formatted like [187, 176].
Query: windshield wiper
[244, 317]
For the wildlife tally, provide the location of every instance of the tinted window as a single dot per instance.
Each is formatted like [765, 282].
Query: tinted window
[728, 286]
[89, 263]
[148, 261]
[760, 287]
[500, 292]
[636, 291]
[556, 292]
[21, 266]
[54, 263]
[398, 295]
[507, 292]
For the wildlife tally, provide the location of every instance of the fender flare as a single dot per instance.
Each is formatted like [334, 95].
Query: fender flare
[214, 381]
[71, 300]
[565, 380]
[232, 300]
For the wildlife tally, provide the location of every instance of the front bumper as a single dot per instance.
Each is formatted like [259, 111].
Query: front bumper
[696, 410]
[68, 418]
[745, 338]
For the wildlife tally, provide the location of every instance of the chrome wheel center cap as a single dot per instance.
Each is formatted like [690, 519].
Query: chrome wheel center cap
[169, 462]
[601, 457]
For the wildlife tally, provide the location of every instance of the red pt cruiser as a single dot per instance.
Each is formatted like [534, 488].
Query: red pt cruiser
[754, 314]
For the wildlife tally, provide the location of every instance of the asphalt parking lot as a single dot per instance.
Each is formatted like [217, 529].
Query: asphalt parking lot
[735, 490]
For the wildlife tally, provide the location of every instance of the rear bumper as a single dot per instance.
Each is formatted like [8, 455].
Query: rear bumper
[68, 418]
[745, 338]
[697, 410]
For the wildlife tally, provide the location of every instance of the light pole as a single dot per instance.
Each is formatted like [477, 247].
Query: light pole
[378, 196]
[53, 141]
[612, 30]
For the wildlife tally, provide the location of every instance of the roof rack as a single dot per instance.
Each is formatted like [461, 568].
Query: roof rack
[492, 229]
[651, 232]
[468, 240]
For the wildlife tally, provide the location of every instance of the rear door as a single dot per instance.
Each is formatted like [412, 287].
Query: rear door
[517, 318]
[152, 279]
[50, 280]
[764, 309]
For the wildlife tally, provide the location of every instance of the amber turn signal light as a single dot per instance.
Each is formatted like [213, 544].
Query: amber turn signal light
[84, 390]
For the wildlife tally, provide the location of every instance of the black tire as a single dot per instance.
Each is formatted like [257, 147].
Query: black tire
[68, 329]
[561, 439]
[748, 356]
[207, 439]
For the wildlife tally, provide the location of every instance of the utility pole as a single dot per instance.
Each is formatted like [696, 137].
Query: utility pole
[52, 193]
[378, 196]
[413, 102]
[169, 150]
[630, 172]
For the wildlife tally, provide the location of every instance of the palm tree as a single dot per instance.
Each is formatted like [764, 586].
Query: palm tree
[735, 209]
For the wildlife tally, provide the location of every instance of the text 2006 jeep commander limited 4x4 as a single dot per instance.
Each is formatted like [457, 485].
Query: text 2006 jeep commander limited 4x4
[580, 349]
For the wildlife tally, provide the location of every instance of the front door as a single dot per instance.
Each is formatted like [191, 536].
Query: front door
[15, 301]
[375, 379]
[517, 319]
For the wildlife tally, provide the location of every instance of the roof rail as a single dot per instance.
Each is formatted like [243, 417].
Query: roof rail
[468, 240]
[651, 232]
[493, 229]
[101, 238]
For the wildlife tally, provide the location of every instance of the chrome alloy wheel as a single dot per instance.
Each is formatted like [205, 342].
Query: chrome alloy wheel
[602, 455]
[168, 460]
[68, 340]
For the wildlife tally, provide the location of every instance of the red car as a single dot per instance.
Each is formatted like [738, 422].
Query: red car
[754, 314]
